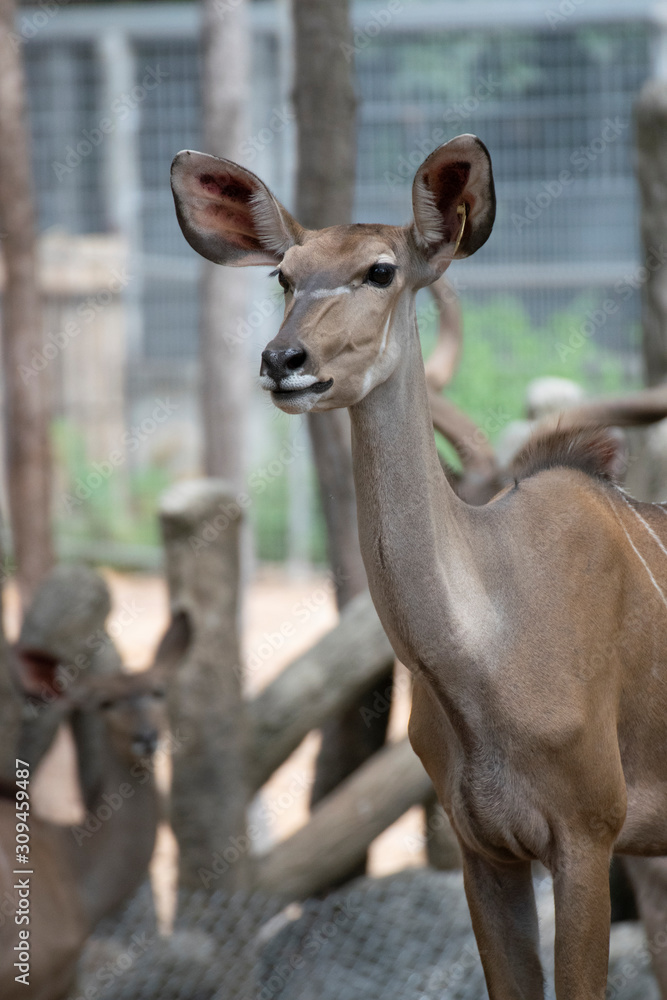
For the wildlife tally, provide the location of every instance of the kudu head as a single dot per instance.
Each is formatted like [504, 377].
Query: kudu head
[132, 705]
[133, 708]
[349, 290]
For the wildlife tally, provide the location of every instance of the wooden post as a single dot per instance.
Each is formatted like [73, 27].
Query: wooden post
[200, 526]
[344, 825]
[651, 122]
[66, 620]
[26, 391]
[224, 370]
[323, 682]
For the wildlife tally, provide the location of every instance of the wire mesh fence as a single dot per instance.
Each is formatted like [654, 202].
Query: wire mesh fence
[403, 937]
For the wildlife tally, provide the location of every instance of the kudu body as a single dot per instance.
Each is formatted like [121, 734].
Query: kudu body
[535, 626]
[84, 872]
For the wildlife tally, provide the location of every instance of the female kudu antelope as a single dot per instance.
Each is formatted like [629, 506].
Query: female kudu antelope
[83, 873]
[535, 626]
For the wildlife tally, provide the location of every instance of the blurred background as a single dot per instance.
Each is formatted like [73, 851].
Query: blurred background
[135, 436]
[547, 96]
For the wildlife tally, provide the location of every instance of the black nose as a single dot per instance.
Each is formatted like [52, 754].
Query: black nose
[280, 364]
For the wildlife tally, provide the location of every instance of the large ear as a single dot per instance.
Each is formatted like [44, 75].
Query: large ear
[454, 201]
[35, 673]
[227, 214]
[174, 643]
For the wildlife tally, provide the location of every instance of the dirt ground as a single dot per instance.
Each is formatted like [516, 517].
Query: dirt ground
[138, 618]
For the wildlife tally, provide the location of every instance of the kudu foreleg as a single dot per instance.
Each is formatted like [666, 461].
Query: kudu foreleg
[583, 912]
[504, 919]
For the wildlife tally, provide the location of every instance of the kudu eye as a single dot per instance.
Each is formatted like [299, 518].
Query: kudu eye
[381, 275]
[284, 283]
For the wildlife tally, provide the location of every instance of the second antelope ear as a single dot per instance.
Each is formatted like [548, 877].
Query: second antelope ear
[35, 672]
[227, 214]
[454, 201]
[174, 644]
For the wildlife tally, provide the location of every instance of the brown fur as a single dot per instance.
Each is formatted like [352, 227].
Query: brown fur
[535, 626]
[593, 450]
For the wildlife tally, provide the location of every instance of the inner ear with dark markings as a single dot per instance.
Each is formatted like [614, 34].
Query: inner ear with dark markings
[35, 673]
[454, 202]
[174, 644]
[227, 214]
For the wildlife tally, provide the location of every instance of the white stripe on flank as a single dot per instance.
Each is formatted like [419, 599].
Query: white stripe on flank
[639, 556]
[648, 527]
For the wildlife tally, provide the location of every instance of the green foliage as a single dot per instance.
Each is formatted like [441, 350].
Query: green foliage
[268, 488]
[503, 351]
[99, 502]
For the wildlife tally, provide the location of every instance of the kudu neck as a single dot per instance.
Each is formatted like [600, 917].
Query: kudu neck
[111, 849]
[415, 533]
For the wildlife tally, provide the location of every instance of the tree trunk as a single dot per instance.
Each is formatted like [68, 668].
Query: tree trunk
[325, 110]
[224, 372]
[200, 526]
[27, 407]
[651, 122]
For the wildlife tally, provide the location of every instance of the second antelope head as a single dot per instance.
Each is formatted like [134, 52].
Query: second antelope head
[349, 290]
